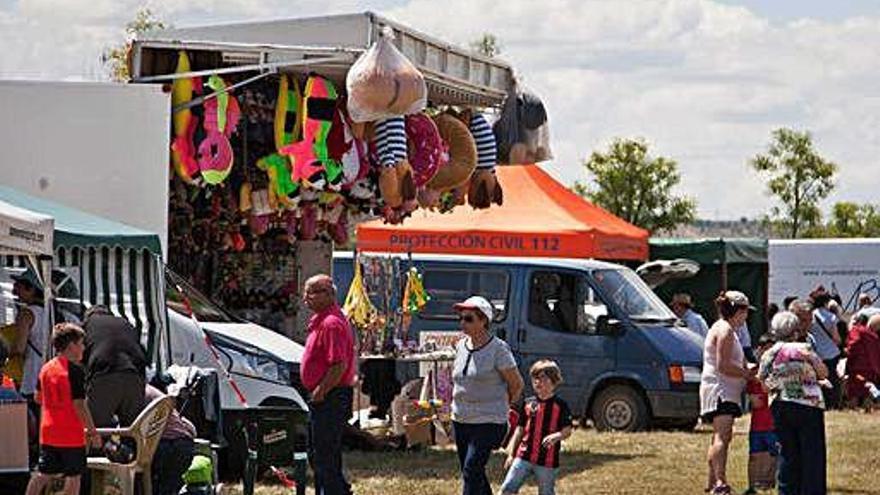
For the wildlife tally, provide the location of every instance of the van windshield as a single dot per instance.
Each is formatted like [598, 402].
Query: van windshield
[203, 308]
[629, 293]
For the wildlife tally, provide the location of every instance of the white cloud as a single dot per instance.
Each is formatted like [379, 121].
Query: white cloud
[704, 82]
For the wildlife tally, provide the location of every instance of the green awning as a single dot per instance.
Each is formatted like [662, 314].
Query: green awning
[75, 228]
[710, 251]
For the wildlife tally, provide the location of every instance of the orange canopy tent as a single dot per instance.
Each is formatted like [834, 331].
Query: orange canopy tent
[540, 217]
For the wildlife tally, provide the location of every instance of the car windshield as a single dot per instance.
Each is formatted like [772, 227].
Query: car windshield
[629, 293]
[203, 308]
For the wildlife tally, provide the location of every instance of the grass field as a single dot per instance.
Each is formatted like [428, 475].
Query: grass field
[603, 463]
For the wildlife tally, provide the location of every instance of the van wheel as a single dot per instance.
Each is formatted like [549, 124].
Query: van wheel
[619, 408]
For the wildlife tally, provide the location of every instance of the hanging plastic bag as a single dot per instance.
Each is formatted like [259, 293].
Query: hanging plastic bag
[522, 132]
[384, 83]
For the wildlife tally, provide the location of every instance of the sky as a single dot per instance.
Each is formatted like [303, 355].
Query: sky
[703, 81]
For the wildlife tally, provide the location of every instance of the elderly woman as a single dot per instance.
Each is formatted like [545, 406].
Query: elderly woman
[791, 371]
[485, 382]
[722, 383]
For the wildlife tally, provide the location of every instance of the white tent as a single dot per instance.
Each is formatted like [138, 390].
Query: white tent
[24, 232]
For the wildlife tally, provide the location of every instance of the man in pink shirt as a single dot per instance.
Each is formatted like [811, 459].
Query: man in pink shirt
[328, 372]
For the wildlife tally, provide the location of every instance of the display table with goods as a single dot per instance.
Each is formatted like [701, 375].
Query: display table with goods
[406, 383]
[296, 130]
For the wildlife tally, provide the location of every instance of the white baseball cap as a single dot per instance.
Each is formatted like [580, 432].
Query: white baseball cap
[477, 303]
[739, 299]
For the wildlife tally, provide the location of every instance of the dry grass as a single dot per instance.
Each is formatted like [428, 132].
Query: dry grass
[654, 462]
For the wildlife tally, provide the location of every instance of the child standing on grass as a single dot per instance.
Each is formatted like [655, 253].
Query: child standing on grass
[763, 445]
[544, 422]
[61, 394]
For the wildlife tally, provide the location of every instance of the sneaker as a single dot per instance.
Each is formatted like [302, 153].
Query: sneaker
[722, 490]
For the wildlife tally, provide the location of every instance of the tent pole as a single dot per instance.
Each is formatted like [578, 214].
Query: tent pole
[43, 266]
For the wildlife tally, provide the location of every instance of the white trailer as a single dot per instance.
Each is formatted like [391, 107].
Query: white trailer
[97, 147]
[844, 266]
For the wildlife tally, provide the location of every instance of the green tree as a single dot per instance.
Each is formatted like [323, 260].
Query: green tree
[637, 187]
[798, 177]
[488, 45]
[115, 58]
[850, 219]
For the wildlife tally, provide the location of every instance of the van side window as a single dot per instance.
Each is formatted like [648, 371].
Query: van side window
[447, 286]
[563, 302]
[553, 301]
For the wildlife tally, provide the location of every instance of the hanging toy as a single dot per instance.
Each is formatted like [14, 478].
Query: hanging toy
[415, 297]
[310, 157]
[221, 118]
[358, 307]
[277, 167]
[184, 123]
[290, 224]
[345, 148]
[396, 176]
[462, 153]
[484, 188]
[288, 123]
[425, 149]
[308, 224]
[261, 212]
[244, 197]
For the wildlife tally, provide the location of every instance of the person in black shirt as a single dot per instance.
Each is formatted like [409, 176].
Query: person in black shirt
[115, 365]
[544, 421]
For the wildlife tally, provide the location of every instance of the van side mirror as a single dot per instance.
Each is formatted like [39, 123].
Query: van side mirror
[605, 325]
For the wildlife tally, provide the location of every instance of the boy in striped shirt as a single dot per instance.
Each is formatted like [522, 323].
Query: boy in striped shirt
[544, 422]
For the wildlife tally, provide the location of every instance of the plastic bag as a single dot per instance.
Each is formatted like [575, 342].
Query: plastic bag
[522, 132]
[384, 83]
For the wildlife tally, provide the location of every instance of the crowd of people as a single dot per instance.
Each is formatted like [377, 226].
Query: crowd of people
[486, 386]
[790, 378]
[96, 379]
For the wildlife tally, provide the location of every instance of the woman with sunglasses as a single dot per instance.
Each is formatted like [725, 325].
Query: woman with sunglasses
[485, 382]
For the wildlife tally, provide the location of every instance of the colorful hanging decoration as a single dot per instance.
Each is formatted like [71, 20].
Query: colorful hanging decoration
[288, 123]
[221, 117]
[358, 307]
[277, 167]
[426, 150]
[183, 155]
[310, 156]
[415, 297]
[484, 188]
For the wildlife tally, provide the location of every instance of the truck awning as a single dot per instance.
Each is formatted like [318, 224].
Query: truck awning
[327, 45]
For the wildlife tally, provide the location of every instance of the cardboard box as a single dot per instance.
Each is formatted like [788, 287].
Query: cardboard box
[13, 437]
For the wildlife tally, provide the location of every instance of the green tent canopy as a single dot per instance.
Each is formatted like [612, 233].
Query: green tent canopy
[725, 264]
[112, 264]
[77, 228]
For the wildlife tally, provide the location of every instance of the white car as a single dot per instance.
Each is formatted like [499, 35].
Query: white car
[263, 364]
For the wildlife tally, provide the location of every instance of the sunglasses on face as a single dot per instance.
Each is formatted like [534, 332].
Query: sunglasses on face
[467, 318]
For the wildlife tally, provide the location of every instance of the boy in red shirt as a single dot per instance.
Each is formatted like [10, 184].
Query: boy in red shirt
[763, 444]
[61, 395]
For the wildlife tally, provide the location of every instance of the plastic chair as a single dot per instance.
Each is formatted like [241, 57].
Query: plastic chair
[146, 431]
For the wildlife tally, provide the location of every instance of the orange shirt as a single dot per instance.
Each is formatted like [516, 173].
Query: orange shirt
[60, 384]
